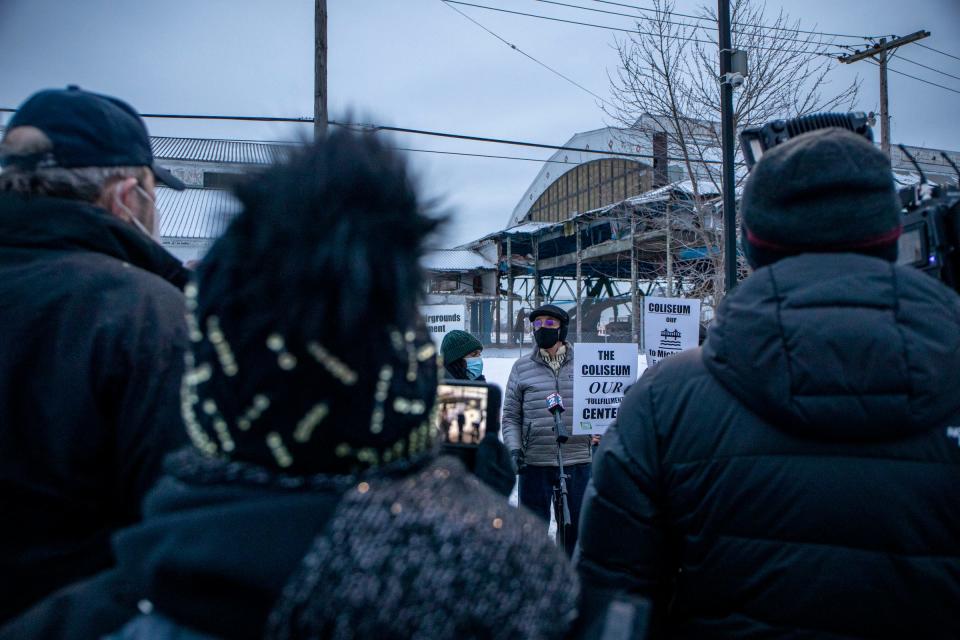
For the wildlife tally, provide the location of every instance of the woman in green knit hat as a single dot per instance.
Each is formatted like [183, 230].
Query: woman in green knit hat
[461, 356]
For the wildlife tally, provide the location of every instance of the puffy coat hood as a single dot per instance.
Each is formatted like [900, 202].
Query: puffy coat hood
[840, 346]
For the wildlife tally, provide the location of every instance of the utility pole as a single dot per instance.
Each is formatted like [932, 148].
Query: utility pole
[320, 69]
[727, 133]
[880, 53]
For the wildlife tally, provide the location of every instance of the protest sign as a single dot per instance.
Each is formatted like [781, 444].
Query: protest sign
[602, 373]
[670, 325]
[442, 319]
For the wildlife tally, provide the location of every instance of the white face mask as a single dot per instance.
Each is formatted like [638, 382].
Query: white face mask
[134, 219]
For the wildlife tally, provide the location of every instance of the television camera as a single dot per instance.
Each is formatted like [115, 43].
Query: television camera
[931, 213]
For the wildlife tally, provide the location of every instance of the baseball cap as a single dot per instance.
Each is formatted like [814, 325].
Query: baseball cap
[552, 311]
[87, 130]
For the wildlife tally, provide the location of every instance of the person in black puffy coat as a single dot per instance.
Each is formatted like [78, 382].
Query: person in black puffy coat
[796, 476]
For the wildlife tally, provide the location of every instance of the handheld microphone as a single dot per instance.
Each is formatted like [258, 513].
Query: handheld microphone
[555, 403]
[555, 407]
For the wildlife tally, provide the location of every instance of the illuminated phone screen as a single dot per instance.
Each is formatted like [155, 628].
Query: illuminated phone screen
[462, 413]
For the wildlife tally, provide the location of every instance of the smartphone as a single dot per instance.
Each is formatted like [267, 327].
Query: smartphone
[466, 413]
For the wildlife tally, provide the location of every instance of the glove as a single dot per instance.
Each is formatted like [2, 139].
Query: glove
[518, 461]
[494, 466]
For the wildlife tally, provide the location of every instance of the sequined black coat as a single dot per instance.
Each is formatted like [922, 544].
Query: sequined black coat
[91, 354]
[220, 541]
[798, 477]
[217, 544]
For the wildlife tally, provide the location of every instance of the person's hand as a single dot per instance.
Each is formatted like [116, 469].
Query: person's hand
[494, 465]
[518, 461]
[594, 440]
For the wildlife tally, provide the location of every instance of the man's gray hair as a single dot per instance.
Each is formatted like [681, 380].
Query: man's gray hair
[75, 183]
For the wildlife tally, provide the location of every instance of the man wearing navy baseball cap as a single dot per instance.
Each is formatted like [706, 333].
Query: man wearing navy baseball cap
[91, 315]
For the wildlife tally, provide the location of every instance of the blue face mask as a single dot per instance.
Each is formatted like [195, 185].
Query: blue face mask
[474, 367]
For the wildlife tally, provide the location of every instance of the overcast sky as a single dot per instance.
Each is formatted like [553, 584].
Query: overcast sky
[416, 64]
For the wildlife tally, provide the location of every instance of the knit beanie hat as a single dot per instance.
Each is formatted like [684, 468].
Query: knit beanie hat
[456, 344]
[829, 190]
[307, 352]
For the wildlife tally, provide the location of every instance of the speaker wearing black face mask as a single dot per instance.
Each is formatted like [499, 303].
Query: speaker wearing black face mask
[547, 336]
[530, 430]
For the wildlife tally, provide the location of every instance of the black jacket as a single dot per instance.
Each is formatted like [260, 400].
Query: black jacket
[797, 478]
[91, 357]
[216, 545]
[222, 544]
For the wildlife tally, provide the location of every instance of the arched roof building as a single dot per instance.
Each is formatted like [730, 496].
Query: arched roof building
[572, 182]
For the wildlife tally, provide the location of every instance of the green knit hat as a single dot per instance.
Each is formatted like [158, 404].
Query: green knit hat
[457, 344]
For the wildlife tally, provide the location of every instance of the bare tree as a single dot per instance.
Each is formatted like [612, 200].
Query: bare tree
[668, 82]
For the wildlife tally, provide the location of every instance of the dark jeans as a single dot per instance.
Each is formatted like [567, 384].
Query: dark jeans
[536, 493]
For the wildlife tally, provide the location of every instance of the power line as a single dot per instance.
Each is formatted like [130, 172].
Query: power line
[612, 28]
[743, 24]
[922, 80]
[627, 15]
[681, 24]
[181, 116]
[527, 55]
[423, 132]
[483, 155]
[892, 70]
[930, 68]
[536, 145]
[944, 53]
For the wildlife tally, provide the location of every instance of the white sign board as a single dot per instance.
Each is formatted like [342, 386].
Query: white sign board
[442, 319]
[670, 325]
[601, 374]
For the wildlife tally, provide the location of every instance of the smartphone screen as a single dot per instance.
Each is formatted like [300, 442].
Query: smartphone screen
[466, 412]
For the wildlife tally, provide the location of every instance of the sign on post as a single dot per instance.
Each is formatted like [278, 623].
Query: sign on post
[602, 373]
[442, 319]
[670, 325]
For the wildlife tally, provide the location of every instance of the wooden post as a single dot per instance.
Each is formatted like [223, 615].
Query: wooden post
[634, 311]
[884, 109]
[511, 337]
[320, 70]
[728, 133]
[499, 285]
[669, 257]
[537, 286]
[879, 52]
[579, 283]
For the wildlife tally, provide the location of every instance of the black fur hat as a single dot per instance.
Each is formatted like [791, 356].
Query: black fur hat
[308, 354]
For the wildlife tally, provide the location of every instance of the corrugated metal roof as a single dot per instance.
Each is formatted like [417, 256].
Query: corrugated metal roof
[195, 213]
[455, 260]
[225, 151]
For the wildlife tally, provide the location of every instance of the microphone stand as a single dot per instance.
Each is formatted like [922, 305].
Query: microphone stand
[561, 503]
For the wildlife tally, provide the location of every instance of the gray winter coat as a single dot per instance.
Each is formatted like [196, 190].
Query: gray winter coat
[527, 425]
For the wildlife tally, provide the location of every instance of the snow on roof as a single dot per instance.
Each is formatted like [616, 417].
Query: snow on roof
[906, 178]
[528, 227]
[455, 260]
[705, 188]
